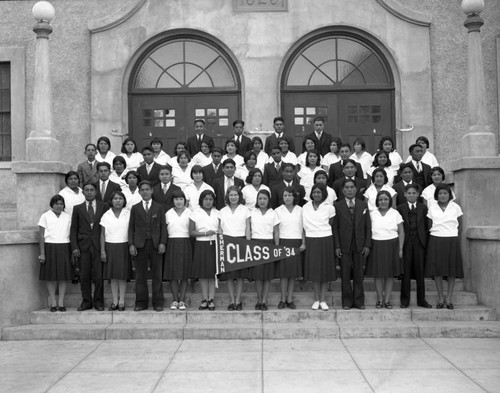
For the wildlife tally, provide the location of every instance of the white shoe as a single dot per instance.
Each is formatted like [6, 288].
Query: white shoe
[315, 305]
[174, 305]
[324, 306]
[182, 306]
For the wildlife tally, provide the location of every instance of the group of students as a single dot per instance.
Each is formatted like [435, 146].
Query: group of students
[150, 209]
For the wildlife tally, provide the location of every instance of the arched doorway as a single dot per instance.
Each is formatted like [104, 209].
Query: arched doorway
[343, 77]
[184, 77]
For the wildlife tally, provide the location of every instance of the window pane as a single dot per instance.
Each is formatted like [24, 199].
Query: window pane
[352, 51]
[200, 54]
[321, 52]
[221, 74]
[5, 76]
[319, 79]
[373, 70]
[300, 73]
[192, 71]
[4, 100]
[201, 81]
[147, 75]
[168, 55]
[355, 78]
[166, 81]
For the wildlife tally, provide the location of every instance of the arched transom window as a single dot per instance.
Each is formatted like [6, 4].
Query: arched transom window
[337, 62]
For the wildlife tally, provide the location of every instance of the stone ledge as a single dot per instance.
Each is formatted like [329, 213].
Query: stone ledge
[478, 163]
[411, 16]
[483, 233]
[41, 167]
[19, 237]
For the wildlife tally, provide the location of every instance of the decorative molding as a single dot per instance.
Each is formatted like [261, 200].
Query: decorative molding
[483, 233]
[498, 89]
[110, 22]
[415, 17]
[17, 237]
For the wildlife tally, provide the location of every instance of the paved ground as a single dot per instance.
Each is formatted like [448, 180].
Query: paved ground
[352, 365]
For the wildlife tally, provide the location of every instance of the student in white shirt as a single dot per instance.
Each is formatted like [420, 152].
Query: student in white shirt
[379, 184]
[321, 177]
[309, 144]
[306, 174]
[387, 144]
[381, 160]
[194, 190]
[72, 194]
[55, 251]
[254, 185]
[181, 173]
[361, 156]
[119, 171]
[286, 154]
[384, 261]
[131, 154]
[104, 153]
[204, 156]
[131, 192]
[262, 157]
[179, 147]
[160, 157]
[114, 249]
[232, 152]
[437, 176]
[444, 257]
[333, 156]
[250, 162]
[427, 157]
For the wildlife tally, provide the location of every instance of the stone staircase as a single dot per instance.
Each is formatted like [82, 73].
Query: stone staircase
[468, 319]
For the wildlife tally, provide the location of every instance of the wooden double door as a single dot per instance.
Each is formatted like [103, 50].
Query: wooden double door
[171, 117]
[348, 115]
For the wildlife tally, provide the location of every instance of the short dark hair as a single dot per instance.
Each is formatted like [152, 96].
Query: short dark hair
[89, 184]
[168, 167]
[241, 200]
[119, 159]
[278, 118]
[133, 173]
[103, 163]
[349, 161]
[57, 198]
[179, 194]
[308, 138]
[345, 144]
[238, 122]
[438, 169]
[322, 188]
[292, 191]
[443, 186]
[320, 172]
[346, 180]
[204, 194]
[267, 194]
[183, 144]
[383, 192]
[69, 174]
[249, 155]
[256, 139]
[145, 183]
[275, 147]
[196, 169]
[410, 149]
[233, 142]
[360, 141]
[90, 144]
[199, 121]
[147, 148]
[377, 155]
[386, 138]
[127, 140]
[415, 186]
[286, 165]
[184, 153]
[423, 139]
[117, 193]
[319, 118]
[228, 161]
[251, 174]
[218, 150]
[380, 170]
[313, 151]
[156, 140]
[105, 139]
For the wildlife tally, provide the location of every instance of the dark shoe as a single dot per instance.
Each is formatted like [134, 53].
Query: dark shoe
[346, 308]
[113, 307]
[83, 308]
[258, 306]
[53, 309]
[121, 307]
[211, 305]
[231, 307]
[239, 307]
[440, 305]
[99, 308]
[138, 308]
[361, 307]
[388, 305]
[291, 305]
[62, 309]
[203, 305]
[425, 305]
[158, 308]
[378, 304]
[263, 307]
[450, 306]
[403, 305]
[281, 305]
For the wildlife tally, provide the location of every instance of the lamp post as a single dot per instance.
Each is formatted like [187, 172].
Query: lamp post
[41, 145]
[479, 141]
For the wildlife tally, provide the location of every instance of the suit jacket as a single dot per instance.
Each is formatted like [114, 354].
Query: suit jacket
[427, 175]
[220, 195]
[154, 174]
[138, 225]
[271, 176]
[361, 186]
[422, 223]
[277, 193]
[165, 199]
[193, 146]
[87, 175]
[209, 174]
[111, 187]
[245, 145]
[336, 172]
[82, 233]
[322, 145]
[272, 141]
[343, 226]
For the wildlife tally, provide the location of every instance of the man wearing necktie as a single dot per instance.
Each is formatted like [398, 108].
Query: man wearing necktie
[421, 171]
[321, 138]
[193, 144]
[87, 170]
[243, 143]
[162, 193]
[105, 187]
[352, 234]
[279, 133]
[289, 180]
[213, 170]
[150, 170]
[221, 184]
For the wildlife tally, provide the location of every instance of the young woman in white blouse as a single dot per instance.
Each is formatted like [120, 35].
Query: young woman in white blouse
[427, 157]
[235, 222]
[387, 144]
[264, 223]
[131, 154]
[306, 174]
[114, 249]
[119, 171]
[444, 257]
[104, 153]
[380, 180]
[291, 235]
[254, 185]
[232, 152]
[437, 175]
[319, 262]
[321, 177]
[385, 259]
[204, 156]
[361, 156]
[262, 157]
[131, 192]
[72, 193]
[194, 190]
[286, 155]
[250, 162]
[179, 256]
[179, 147]
[308, 144]
[181, 173]
[55, 251]
[333, 156]
[203, 225]
[381, 160]
[160, 157]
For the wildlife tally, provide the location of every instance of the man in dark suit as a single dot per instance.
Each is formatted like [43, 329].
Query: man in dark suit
[223, 183]
[150, 170]
[87, 170]
[193, 143]
[214, 170]
[406, 172]
[273, 172]
[421, 171]
[85, 237]
[289, 180]
[104, 186]
[147, 235]
[416, 229]
[162, 193]
[321, 139]
[243, 143]
[337, 170]
[279, 133]
[352, 233]
[349, 172]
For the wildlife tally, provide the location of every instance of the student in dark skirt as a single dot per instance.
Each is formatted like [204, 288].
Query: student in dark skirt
[444, 257]
[319, 262]
[114, 249]
[264, 224]
[178, 263]
[235, 221]
[291, 235]
[203, 225]
[55, 251]
[388, 236]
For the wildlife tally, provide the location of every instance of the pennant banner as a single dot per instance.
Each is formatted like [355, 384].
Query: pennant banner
[236, 253]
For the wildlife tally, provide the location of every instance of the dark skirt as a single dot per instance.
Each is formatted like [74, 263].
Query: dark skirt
[383, 261]
[292, 266]
[57, 266]
[444, 257]
[263, 272]
[204, 260]
[319, 259]
[241, 273]
[118, 266]
[178, 259]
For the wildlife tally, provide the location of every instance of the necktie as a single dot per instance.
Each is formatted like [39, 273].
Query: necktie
[229, 183]
[147, 206]
[216, 168]
[90, 211]
[103, 189]
[277, 167]
[350, 204]
[148, 168]
[412, 207]
[165, 188]
[91, 166]
[199, 138]
[418, 167]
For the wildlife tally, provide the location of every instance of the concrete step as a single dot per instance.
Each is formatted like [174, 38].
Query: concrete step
[375, 329]
[58, 331]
